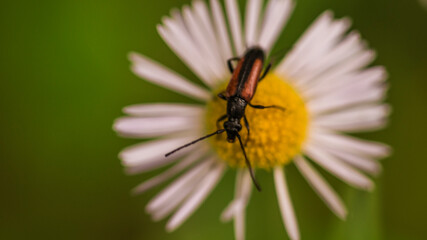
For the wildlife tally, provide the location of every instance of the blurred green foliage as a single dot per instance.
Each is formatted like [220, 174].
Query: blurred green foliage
[65, 77]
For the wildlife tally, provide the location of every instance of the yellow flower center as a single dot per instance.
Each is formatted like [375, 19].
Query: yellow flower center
[276, 136]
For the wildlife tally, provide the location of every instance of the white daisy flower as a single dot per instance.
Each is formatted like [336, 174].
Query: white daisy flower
[324, 83]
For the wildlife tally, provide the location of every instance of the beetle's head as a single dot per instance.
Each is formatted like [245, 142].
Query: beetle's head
[232, 127]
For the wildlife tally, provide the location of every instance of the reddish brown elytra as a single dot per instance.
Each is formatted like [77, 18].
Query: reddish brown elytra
[246, 76]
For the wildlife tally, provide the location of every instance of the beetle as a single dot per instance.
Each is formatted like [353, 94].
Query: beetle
[238, 94]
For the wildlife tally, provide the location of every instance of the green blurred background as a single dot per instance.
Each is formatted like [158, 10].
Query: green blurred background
[65, 77]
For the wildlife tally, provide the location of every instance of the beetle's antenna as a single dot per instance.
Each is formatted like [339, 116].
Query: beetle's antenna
[195, 141]
[258, 187]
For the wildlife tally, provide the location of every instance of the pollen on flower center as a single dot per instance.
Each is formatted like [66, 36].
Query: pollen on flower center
[276, 136]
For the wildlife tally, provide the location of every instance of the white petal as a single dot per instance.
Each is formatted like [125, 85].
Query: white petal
[350, 144]
[242, 195]
[353, 127]
[323, 189]
[295, 56]
[319, 47]
[182, 45]
[338, 168]
[150, 155]
[145, 127]
[356, 114]
[164, 109]
[229, 211]
[177, 17]
[363, 163]
[239, 225]
[221, 29]
[233, 14]
[285, 204]
[204, 44]
[327, 65]
[171, 172]
[200, 193]
[236, 209]
[276, 15]
[340, 70]
[371, 76]
[360, 118]
[174, 202]
[189, 46]
[180, 187]
[215, 45]
[181, 194]
[347, 82]
[253, 8]
[345, 99]
[160, 75]
[324, 59]
[341, 52]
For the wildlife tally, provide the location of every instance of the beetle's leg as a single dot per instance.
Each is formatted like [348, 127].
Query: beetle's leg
[247, 128]
[267, 69]
[222, 96]
[220, 120]
[264, 107]
[230, 65]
